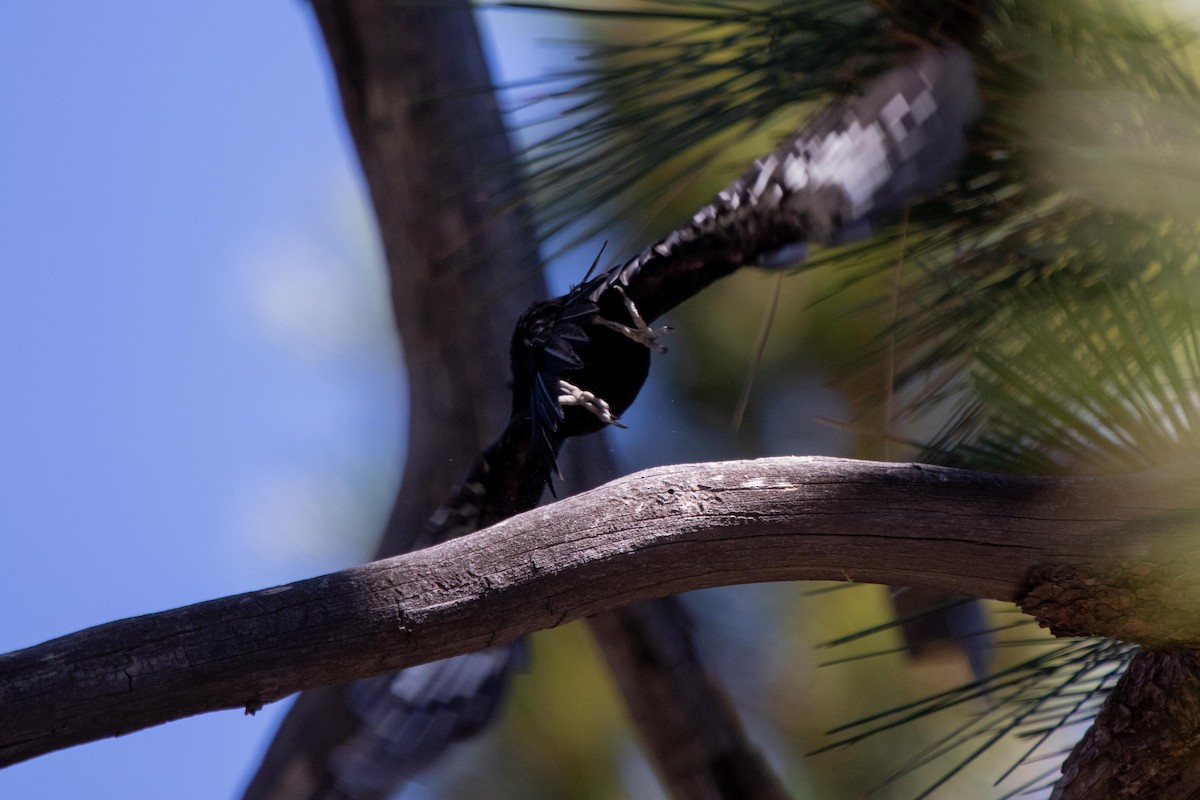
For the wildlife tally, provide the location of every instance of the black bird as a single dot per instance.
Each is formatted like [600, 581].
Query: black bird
[579, 360]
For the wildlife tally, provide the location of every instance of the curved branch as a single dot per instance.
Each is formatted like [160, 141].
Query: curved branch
[655, 533]
[685, 721]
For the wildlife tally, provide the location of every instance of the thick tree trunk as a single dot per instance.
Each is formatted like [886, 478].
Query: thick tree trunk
[1144, 742]
[416, 95]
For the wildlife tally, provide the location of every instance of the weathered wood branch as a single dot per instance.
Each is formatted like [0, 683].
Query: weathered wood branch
[656, 533]
[683, 718]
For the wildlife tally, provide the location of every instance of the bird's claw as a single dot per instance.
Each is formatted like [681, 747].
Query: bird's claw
[639, 332]
[571, 395]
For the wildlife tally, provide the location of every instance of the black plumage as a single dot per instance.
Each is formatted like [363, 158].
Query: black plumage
[579, 360]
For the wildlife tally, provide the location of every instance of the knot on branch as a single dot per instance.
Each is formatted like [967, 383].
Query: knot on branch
[1134, 601]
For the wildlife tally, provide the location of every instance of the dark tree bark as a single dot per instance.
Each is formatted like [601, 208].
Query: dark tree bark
[416, 95]
[691, 732]
[657, 533]
[1143, 743]
[686, 723]
[418, 102]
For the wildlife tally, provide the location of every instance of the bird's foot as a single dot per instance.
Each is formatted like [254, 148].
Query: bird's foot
[572, 395]
[639, 332]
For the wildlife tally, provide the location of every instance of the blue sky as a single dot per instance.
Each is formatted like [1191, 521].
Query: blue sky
[200, 391]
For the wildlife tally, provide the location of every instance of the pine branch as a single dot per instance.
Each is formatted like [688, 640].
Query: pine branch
[656, 533]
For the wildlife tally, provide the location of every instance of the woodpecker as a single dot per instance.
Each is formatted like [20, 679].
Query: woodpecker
[579, 360]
